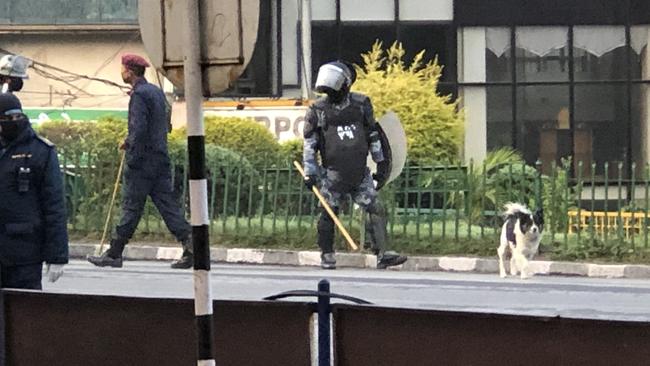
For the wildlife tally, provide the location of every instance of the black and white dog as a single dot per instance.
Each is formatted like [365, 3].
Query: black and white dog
[521, 233]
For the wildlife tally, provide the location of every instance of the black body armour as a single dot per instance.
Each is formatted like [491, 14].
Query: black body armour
[345, 142]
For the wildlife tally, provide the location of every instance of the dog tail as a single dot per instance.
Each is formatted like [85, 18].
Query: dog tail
[512, 208]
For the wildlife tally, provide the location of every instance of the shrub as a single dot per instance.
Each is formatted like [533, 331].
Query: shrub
[433, 124]
[241, 135]
[224, 168]
[291, 151]
[90, 155]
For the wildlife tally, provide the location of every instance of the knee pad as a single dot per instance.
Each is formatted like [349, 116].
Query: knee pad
[376, 208]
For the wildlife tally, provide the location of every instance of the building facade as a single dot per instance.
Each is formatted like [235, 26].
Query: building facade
[550, 78]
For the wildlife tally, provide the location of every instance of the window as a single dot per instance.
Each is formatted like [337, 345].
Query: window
[49, 12]
[499, 117]
[358, 38]
[257, 79]
[360, 26]
[601, 126]
[542, 54]
[435, 40]
[543, 129]
[576, 93]
[324, 45]
[599, 53]
[640, 53]
[498, 57]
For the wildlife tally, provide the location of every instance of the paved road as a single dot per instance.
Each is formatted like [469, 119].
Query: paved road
[575, 297]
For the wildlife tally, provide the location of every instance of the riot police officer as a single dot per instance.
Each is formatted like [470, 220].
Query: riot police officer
[32, 205]
[148, 168]
[13, 69]
[341, 127]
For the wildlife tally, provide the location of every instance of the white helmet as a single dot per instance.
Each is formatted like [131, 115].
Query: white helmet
[15, 66]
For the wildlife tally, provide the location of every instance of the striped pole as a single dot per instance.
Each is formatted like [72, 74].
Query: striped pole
[198, 187]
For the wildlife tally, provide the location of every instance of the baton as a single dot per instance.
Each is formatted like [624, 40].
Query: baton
[323, 202]
[110, 207]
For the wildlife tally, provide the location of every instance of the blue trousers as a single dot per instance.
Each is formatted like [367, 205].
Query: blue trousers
[23, 277]
[137, 187]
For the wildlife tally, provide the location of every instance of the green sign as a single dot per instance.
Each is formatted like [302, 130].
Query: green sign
[37, 115]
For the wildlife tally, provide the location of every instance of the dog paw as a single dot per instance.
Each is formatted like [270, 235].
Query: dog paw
[503, 275]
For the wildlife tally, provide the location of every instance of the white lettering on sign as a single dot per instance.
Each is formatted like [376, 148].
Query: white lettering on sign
[286, 123]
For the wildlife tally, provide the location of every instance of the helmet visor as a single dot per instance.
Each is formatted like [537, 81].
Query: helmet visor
[330, 77]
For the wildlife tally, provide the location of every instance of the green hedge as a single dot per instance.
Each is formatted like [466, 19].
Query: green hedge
[241, 135]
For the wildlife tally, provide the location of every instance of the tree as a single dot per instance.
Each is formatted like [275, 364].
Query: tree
[433, 122]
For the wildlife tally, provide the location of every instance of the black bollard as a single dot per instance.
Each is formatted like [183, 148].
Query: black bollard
[2, 326]
[324, 339]
[324, 309]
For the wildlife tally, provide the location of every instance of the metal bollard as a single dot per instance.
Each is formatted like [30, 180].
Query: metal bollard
[2, 326]
[324, 310]
[324, 331]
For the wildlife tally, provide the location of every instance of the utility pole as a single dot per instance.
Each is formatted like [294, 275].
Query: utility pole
[198, 186]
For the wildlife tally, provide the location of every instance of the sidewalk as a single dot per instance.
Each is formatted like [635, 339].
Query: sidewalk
[145, 251]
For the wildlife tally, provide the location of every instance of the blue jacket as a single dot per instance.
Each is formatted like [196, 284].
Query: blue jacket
[146, 142]
[32, 205]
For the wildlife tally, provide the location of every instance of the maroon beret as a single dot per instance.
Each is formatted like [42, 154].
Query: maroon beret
[134, 60]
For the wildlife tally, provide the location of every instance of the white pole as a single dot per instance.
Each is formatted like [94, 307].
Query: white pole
[305, 32]
[198, 186]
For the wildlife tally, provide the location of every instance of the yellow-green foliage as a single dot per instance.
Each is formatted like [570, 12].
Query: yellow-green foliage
[103, 136]
[291, 150]
[241, 135]
[433, 124]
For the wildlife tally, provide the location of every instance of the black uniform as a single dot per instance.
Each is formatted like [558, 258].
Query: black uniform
[341, 128]
[32, 210]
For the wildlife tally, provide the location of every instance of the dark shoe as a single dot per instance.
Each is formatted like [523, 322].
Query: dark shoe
[389, 259]
[105, 260]
[186, 261]
[327, 261]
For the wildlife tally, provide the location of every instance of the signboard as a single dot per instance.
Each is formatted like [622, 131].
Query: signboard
[39, 115]
[286, 123]
[228, 31]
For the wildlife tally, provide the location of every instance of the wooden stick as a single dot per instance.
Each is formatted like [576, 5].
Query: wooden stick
[110, 207]
[323, 202]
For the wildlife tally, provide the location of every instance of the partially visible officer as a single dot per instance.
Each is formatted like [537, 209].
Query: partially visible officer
[148, 168]
[32, 205]
[13, 69]
[341, 127]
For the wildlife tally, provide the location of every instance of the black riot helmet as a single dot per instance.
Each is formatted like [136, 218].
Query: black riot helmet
[335, 79]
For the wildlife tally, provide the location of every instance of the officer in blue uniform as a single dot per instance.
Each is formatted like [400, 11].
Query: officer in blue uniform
[32, 205]
[341, 127]
[147, 169]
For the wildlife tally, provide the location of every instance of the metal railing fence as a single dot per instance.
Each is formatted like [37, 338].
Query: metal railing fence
[425, 205]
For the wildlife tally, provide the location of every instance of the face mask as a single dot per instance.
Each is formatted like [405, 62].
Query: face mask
[9, 130]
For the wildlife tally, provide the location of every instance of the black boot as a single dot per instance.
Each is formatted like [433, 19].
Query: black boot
[105, 260]
[389, 259]
[327, 261]
[187, 259]
[110, 258]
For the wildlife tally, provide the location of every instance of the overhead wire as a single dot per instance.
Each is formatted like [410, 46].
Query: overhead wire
[67, 77]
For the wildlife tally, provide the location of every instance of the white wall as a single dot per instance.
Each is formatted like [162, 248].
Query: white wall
[97, 55]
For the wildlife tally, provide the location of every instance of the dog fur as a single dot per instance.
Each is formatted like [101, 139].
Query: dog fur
[527, 228]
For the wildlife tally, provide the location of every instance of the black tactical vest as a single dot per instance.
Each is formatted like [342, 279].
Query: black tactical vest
[345, 142]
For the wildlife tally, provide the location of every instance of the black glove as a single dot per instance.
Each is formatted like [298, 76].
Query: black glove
[311, 181]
